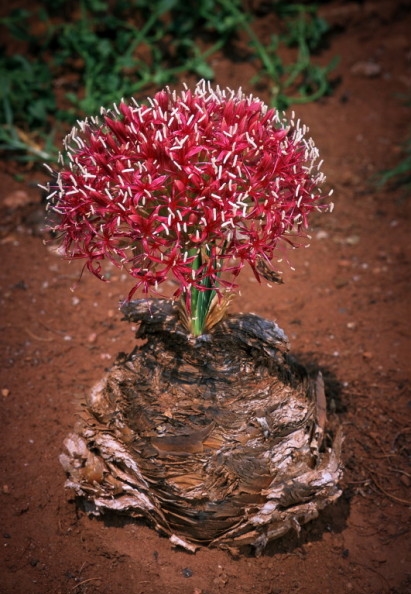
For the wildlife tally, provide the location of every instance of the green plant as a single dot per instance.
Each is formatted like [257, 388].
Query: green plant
[26, 101]
[76, 57]
[300, 80]
[400, 174]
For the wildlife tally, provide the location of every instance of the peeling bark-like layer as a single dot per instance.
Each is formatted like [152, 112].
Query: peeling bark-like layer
[216, 440]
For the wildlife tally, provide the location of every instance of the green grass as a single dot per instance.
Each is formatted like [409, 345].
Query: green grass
[77, 57]
[399, 176]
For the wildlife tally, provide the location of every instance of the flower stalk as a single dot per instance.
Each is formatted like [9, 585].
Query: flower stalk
[188, 189]
[200, 299]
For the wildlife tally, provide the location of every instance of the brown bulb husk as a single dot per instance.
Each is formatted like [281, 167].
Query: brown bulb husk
[216, 440]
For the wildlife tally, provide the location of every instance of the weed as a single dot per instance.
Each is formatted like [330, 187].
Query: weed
[77, 57]
[400, 174]
[305, 31]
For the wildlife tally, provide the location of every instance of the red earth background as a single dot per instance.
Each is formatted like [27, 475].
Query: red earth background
[345, 308]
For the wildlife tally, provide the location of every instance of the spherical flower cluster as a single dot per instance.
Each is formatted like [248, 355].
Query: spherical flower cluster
[189, 186]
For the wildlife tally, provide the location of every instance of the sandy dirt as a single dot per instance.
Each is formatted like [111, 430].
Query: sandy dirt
[345, 308]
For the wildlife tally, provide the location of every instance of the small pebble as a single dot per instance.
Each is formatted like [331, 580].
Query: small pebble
[5, 392]
[366, 68]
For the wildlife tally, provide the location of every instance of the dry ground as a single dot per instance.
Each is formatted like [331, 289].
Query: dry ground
[345, 308]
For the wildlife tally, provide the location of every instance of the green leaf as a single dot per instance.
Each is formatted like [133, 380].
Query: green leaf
[203, 70]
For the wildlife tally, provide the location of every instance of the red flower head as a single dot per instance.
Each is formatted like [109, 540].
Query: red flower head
[190, 186]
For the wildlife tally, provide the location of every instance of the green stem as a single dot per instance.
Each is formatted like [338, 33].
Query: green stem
[242, 19]
[200, 300]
